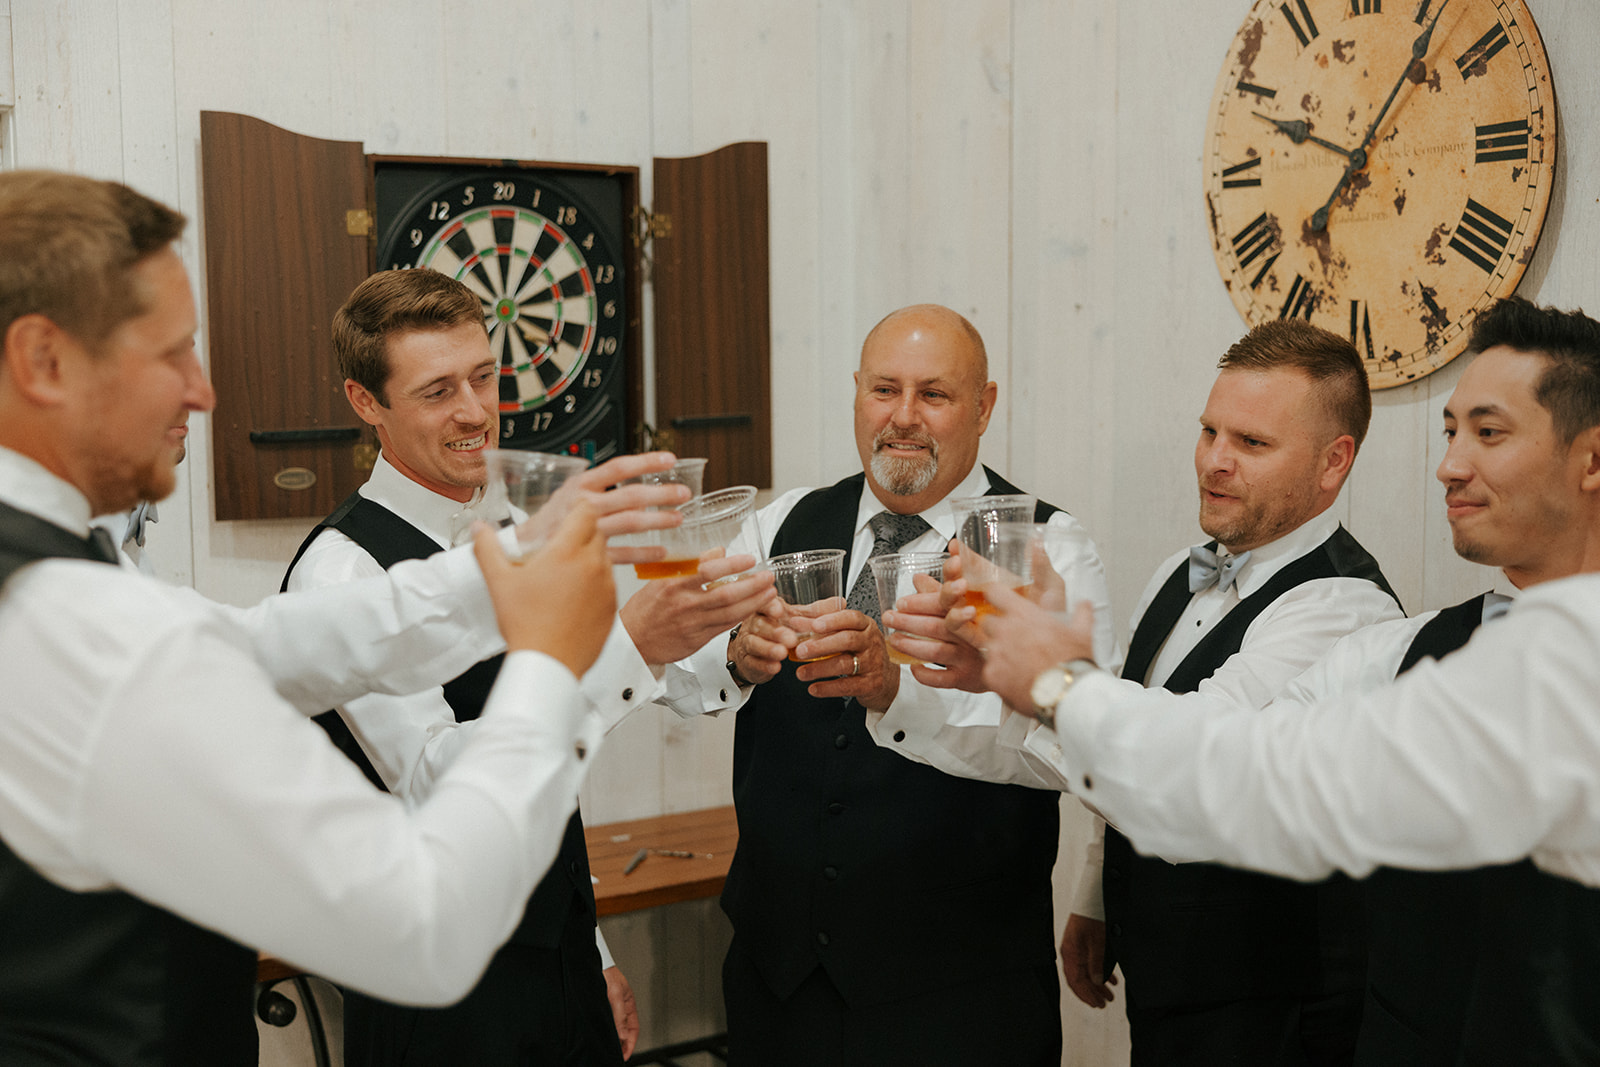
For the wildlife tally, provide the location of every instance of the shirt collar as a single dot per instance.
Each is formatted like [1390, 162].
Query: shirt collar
[976, 483]
[1268, 559]
[423, 508]
[27, 486]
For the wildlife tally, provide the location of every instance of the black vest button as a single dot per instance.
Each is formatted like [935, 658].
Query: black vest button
[835, 808]
[842, 741]
[1088, 782]
[1111, 874]
[899, 735]
[1116, 929]
[822, 939]
[627, 694]
[830, 873]
[572, 868]
[722, 695]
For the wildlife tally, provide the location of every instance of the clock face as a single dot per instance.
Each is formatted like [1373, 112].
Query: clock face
[1392, 218]
[543, 254]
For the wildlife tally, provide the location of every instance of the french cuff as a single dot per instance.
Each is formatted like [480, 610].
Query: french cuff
[1078, 715]
[620, 679]
[699, 686]
[539, 690]
[1090, 901]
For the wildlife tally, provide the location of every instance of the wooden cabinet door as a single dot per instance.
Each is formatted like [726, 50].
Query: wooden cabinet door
[713, 312]
[280, 259]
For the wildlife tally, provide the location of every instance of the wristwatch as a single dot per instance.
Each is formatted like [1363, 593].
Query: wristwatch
[732, 667]
[1051, 684]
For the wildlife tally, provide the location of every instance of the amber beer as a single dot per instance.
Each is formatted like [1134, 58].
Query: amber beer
[803, 639]
[975, 598]
[667, 568]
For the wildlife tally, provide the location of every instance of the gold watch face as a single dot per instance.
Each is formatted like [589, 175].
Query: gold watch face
[1384, 197]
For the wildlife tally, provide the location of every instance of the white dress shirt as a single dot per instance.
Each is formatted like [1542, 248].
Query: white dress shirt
[159, 743]
[715, 691]
[411, 739]
[1487, 756]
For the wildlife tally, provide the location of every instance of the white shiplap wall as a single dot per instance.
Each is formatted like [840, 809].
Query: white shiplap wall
[1033, 163]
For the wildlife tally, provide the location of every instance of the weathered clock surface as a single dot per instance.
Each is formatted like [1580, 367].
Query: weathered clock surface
[1380, 168]
[543, 252]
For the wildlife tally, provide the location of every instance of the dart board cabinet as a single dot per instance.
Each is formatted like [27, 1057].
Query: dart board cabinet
[556, 252]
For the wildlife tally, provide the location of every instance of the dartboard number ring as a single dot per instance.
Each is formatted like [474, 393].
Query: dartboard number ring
[551, 282]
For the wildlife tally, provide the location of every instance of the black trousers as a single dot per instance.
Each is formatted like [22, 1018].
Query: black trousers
[1012, 1018]
[1258, 1032]
[534, 1007]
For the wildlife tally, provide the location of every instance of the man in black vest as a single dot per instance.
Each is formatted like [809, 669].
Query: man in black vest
[884, 913]
[164, 800]
[1498, 964]
[417, 366]
[1223, 966]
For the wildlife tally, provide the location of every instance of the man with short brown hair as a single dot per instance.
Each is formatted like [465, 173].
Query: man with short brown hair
[1222, 966]
[418, 368]
[164, 801]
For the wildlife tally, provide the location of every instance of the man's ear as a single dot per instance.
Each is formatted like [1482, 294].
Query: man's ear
[1586, 446]
[1338, 458]
[365, 404]
[34, 354]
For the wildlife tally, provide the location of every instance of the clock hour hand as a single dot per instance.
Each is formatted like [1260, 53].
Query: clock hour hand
[1299, 131]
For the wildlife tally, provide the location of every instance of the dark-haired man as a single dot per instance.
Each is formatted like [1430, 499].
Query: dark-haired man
[164, 800]
[1478, 764]
[417, 366]
[1221, 966]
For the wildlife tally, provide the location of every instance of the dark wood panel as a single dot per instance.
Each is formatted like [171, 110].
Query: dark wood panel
[713, 312]
[279, 262]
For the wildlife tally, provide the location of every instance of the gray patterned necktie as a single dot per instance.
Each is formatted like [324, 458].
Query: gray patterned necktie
[890, 532]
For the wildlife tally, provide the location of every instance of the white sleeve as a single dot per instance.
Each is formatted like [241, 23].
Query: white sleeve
[1483, 758]
[973, 735]
[211, 798]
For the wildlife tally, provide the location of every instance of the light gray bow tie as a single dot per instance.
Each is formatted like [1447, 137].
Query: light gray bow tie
[142, 513]
[1207, 569]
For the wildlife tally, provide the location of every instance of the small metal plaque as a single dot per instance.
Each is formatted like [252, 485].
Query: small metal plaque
[294, 479]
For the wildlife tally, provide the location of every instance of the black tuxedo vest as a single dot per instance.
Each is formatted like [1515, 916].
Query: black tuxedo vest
[104, 978]
[566, 893]
[1496, 965]
[1197, 933]
[894, 877]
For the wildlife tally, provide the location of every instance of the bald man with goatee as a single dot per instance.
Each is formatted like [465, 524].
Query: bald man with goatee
[884, 912]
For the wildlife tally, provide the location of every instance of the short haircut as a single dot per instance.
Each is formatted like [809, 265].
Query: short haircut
[1569, 388]
[391, 302]
[68, 248]
[1332, 363]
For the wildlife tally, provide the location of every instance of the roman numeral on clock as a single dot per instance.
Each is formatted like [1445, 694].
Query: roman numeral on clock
[1261, 92]
[1230, 175]
[1250, 243]
[1309, 32]
[1485, 48]
[1361, 329]
[1301, 300]
[1481, 236]
[1503, 140]
[1366, 7]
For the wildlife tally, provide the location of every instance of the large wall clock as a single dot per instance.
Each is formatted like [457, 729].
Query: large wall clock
[1381, 168]
[543, 251]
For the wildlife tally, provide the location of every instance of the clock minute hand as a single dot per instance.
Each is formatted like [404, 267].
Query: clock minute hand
[1299, 132]
[1419, 48]
[1358, 158]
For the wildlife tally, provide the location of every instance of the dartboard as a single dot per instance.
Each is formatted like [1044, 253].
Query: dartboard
[543, 254]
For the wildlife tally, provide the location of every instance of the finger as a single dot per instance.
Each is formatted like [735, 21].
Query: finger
[817, 609]
[924, 583]
[934, 677]
[922, 604]
[952, 592]
[943, 653]
[638, 497]
[621, 468]
[492, 559]
[931, 626]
